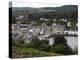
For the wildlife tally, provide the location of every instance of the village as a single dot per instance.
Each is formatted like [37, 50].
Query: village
[42, 32]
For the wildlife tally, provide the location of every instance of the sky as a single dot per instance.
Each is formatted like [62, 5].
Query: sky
[34, 4]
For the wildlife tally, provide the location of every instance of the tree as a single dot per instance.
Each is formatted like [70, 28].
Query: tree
[40, 44]
[60, 40]
[60, 46]
[35, 42]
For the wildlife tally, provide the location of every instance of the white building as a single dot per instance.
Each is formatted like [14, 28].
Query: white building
[58, 29]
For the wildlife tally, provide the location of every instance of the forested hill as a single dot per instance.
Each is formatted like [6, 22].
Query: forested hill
[66, 11]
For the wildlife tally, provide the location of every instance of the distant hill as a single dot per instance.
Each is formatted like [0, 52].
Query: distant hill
[66, 11]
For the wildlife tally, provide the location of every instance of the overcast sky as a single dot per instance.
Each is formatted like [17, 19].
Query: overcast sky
[35, 4]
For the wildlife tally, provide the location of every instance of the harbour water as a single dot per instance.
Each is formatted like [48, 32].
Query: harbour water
[72, 41]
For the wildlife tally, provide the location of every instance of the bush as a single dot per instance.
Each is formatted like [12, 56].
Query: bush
[20, 43]
[59, 49]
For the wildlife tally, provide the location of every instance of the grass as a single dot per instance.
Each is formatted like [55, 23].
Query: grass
[19, 52]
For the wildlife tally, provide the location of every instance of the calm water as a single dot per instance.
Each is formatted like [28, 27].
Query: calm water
[71, 40]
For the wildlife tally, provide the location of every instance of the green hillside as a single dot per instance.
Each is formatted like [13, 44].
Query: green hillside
[19, 52]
